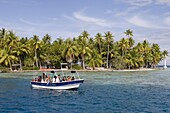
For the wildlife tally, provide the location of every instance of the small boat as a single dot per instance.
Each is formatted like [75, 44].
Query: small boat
[73, 83]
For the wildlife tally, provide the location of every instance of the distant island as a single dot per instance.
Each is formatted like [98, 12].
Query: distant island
[81, 53]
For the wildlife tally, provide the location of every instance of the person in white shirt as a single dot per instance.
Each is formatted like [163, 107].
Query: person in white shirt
[58, 79]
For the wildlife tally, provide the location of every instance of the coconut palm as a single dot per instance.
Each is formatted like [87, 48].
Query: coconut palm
[55, 52]
[3, 34]
[46, 39]
[113, 54]
[123, 46]
[95, 59]
[129, 60]
[10, 40]
[70, 50]
[99, 41]
[137, 54]
[128, 33]
[20, 50]
[131, 42]
[146, 52]
[36, 44]
[83, 46]
[156, 55]
[109, 40]
[7, 57]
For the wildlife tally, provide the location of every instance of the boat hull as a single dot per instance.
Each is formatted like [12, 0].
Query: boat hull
[60, 86]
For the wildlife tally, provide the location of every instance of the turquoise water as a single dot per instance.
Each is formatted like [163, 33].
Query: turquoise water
[102, 92]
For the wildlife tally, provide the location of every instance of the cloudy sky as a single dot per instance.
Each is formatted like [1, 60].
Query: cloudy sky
[149, 19]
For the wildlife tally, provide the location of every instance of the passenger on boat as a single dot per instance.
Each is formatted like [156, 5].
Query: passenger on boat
[58, 78]
[72, 78]
[64, 78]
[54, 79]
[34, 80]
[43, 78]
[39, 78]
[48, 79]
[68, 78]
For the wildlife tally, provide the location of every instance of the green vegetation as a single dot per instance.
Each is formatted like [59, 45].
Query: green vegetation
[100, 51]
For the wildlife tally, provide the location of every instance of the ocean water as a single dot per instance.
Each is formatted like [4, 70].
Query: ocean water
[102, 92]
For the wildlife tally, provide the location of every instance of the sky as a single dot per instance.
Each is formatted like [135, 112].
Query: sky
[148, 19]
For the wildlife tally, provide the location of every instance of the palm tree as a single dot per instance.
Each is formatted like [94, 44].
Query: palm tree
[128, 33]
[95, 60]
[3, 34]
[46, 39]
[146, 53]
[156, 55]
[165, 54]
[70, 50]
[83, 46]
[113, 54]
[99, 41]
[36, 44]
[123, 46]
[46, 45]
[7, 57]
[10, 40]
[131, 42]
[109, 41]
[20, 50]
[137, 54]
[55, 52]
[129, 60]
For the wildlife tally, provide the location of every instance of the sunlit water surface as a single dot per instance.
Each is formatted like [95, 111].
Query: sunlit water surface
[102, 92]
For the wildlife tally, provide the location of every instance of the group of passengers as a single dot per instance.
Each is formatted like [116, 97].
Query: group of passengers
[55, 79]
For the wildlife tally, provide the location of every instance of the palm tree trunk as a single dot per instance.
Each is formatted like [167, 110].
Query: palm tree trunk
[71, 65]
[83, 65]
[36, 58]
[10, 66]
[40, 63]
[107, 56]
[20, 63]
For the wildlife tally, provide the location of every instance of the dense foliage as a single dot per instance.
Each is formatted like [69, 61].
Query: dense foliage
[99, 51]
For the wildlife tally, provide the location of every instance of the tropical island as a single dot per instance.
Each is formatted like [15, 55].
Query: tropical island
[81, 53]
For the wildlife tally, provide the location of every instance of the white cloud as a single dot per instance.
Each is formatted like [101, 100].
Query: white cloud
[126, 12]
[27, 22]
[135, 20]
[90, 20]
[51, 19]
[167, 20]
[163, 2]
[139, 2]
[109, 12]
[6, 1]
[44, 24]
[167, 13]
[70, 18]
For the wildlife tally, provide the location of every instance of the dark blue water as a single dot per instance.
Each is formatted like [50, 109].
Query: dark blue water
[102, 92]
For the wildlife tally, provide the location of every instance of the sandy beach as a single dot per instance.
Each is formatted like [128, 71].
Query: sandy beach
[97, 70]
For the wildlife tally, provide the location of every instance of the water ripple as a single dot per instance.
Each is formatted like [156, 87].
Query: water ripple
[102, 92]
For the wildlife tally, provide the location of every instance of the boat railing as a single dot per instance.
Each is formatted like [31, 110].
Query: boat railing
[66, 74]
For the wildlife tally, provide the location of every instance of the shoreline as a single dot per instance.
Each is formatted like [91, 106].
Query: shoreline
[99, 70]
